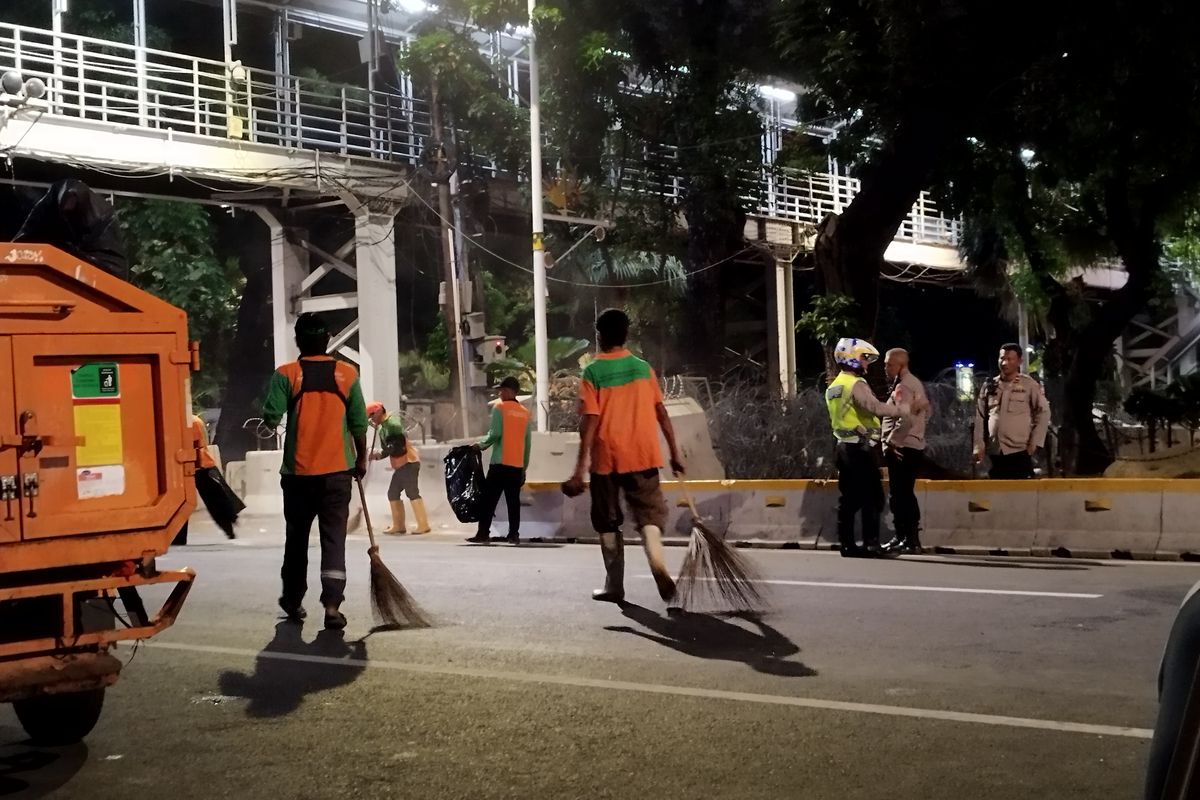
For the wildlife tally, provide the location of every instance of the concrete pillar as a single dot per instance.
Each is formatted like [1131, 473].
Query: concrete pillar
[375, 256]
[790, 310]
[785, 328]
[289, 268]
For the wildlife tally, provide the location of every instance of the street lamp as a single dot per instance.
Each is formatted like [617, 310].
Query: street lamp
[540, 345]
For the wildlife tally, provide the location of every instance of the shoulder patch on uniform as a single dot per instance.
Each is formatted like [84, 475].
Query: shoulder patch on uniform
[834, 392]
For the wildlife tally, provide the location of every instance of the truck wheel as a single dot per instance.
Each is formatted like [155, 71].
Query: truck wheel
[60, 719]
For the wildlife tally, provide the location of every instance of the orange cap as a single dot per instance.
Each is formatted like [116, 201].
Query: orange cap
[374, 407]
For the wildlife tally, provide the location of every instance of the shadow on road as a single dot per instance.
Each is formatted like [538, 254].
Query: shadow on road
[705, 636]
[280, 683]
[28, 771]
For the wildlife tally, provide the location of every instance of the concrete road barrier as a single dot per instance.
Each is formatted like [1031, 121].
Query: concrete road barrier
[1099, 518]
[1130, 518]
[999, 517]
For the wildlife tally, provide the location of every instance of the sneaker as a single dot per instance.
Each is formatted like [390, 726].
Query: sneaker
[605, 596]
[513, 538]
[334, 620]
[295, 613]
[480, 538]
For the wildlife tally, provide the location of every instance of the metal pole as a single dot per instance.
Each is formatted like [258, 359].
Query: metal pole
[139, 41]
[541, 345]
[456, 298]
[444, 172]
[56, 92]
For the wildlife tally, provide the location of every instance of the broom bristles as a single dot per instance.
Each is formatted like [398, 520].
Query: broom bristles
[390, 601]
[714, 571]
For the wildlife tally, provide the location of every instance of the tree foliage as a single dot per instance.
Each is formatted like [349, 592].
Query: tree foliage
[1090, 164]
[170, 250]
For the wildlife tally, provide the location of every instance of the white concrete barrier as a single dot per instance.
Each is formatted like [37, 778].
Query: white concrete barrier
[1099, 518]
[1180, 520]
[1147, 518]
[995, 516]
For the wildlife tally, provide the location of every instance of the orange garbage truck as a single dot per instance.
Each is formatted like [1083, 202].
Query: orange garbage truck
[96, 466]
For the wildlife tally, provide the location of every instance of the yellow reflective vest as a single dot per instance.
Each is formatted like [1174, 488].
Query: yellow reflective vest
[850, 423]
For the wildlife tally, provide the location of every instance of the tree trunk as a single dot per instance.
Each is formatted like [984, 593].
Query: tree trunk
[848, 254]
[251, 355]
[1133, 233]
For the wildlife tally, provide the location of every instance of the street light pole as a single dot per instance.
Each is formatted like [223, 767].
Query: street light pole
[541, 346]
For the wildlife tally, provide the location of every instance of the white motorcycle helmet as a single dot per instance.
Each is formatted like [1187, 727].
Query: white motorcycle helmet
[855, 354]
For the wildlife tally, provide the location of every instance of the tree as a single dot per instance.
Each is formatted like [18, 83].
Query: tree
[909, 82]
[1092, 163]
[694, 120]
[170, 250]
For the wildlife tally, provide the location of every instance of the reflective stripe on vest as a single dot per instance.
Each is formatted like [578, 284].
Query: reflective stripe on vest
[848, 422]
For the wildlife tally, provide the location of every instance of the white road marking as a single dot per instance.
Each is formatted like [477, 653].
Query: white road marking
[678, 691]
[899, 587]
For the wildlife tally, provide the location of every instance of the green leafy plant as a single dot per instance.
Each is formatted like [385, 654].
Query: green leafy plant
[829, 319]
[566, 356]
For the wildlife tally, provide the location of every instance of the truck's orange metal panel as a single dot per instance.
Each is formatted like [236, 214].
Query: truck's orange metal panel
[10, 510]
[58, 314]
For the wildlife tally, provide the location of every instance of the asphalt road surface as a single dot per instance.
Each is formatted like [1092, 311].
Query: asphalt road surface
[916, 678]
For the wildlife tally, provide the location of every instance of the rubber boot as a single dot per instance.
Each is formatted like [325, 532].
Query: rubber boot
[653, 545]
[397, 528]
[612, 547]
[422, 518]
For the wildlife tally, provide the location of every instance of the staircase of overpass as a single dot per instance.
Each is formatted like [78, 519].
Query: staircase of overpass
[272, 140]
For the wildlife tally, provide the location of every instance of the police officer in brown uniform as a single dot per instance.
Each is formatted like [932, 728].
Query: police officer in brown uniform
[904, 452]
[1011, 418]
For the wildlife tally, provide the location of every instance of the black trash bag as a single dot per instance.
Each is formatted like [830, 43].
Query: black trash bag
[464, 482]
[222, 503]
[73, 218]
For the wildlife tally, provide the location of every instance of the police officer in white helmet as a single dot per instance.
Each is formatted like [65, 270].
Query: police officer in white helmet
[854, 413]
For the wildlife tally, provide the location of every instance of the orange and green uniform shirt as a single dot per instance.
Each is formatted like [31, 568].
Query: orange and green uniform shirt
[200, 437]
[511, 430]
[395, 442]
[622, 390]
[321, 419]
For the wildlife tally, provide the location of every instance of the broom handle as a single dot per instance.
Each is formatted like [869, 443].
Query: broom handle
[687, 496]
[362, 498]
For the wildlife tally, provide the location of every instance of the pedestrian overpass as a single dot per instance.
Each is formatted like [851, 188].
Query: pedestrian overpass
[286, 146]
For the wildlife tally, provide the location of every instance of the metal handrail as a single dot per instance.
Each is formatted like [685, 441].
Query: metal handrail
[121, 83]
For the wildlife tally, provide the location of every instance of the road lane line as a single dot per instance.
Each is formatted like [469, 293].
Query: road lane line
[899, 587]
[678, 691]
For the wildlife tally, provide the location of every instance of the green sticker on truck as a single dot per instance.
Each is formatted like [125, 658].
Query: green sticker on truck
[95, 382]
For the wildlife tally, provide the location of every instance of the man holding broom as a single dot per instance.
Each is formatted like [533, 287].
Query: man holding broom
[406, 469]
[324, 450]
[622, 411]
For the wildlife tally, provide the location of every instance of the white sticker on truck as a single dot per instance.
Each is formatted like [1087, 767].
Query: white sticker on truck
[93, 482]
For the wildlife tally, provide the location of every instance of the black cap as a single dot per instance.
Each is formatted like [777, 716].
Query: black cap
[511, 383]
[310, 325]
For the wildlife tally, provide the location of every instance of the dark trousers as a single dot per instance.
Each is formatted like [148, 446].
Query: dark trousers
[861, 491]
[325, 498]
[1011, 467]
[405, 480]
[903, 466]
[507, 481]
